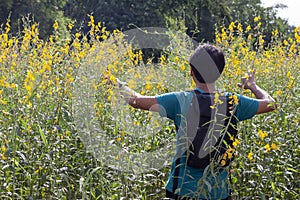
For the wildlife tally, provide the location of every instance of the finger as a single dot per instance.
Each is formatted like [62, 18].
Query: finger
[254, 71]
[241, 85]
[249, 73]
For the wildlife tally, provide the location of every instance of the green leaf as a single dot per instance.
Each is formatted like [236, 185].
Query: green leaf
[291, 169]
[43, 136]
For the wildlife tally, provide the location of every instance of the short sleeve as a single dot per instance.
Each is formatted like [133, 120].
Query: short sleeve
[246, 108]
[168, 105]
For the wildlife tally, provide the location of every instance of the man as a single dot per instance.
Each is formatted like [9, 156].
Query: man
[207, 64]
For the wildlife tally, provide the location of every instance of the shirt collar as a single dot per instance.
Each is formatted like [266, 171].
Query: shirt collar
[202, 91]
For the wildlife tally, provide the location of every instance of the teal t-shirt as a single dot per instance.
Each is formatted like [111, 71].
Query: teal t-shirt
[192, 182]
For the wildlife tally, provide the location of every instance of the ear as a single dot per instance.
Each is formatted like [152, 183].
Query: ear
[191, 72]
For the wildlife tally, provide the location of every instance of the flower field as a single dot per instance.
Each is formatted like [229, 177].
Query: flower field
[47, 153]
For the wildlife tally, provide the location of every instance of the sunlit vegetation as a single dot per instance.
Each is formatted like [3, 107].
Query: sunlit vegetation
[43, 153]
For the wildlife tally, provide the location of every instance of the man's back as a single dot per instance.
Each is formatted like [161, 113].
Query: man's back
[207, 64]
[185, 180]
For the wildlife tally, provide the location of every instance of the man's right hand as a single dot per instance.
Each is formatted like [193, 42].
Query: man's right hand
[265, 102]
[248, 82]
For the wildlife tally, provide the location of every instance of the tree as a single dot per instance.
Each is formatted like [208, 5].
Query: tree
[244, 12]
[43, 12]
[196, 17]
[119, 14]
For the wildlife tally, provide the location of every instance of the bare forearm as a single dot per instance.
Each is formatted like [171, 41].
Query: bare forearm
[260, 93]
[129, 94]
[266, 102]
[137, 100]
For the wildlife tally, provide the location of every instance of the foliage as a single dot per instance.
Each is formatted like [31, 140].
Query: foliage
[43, 12]
[43, 154]
[198, 16]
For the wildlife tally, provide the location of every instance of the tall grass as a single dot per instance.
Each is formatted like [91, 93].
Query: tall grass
[46, 155]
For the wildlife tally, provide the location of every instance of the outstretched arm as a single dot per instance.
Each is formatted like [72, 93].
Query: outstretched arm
[137, 100]
[266, 102]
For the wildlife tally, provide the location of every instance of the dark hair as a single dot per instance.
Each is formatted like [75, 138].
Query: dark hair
[207, 63]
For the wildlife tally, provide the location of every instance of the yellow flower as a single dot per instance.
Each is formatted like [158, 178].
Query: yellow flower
[274, 146]
[261, 41]
[259, 25]
[70, 26]
[223, 162]
[236, 142]
[249, 37]
[7, 28]
[162, 59]
[256, 19]
[229, 155]
[30, 76]
[159, 85]
[250, 155]
[148, 86]
[297, 34]
[113, 79]
[13, 85]
[136, 123]
[3, 148]
[248, 28]
[275, 32]
[116, 31]
[39, 169]
[278, 93]
[3, 157]
[55, 26]
[118, 139]
[182, 67]
[235, 99]
[216, 99]
[239, 27]
[231, 26]
[224, 34]
[77, 35]
[268, 148]
[218, 39]
[2, 81]
[3, 102]
[92, 21]
[262, 134]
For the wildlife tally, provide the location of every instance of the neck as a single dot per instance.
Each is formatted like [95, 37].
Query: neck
[209, 87]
